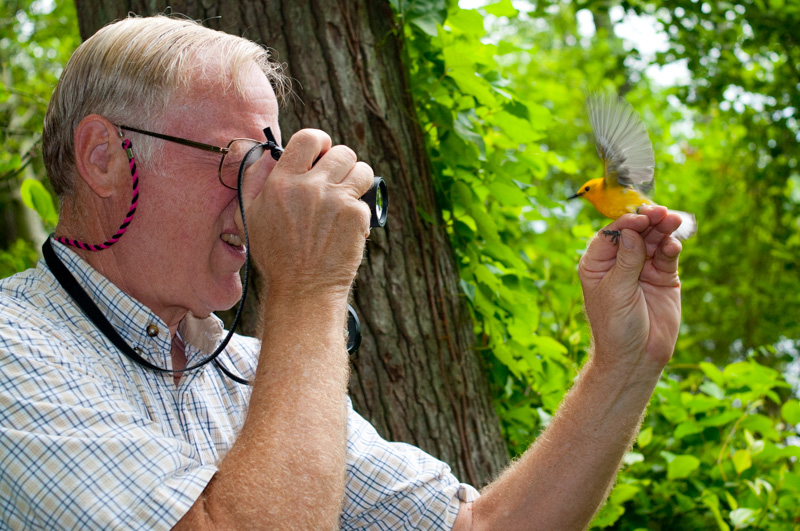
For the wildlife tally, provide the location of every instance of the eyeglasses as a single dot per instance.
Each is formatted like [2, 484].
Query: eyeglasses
[232, 155]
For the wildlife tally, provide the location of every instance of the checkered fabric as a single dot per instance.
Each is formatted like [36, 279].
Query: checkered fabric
[90, 440]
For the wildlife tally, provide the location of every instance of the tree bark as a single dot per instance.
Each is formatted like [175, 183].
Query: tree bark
[416, 376]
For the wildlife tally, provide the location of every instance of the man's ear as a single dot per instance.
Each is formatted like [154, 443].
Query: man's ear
[98, 154]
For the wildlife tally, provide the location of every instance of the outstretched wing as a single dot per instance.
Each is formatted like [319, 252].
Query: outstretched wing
[622, 142]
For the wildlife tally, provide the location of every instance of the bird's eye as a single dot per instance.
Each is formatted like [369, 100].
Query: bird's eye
[586, 189]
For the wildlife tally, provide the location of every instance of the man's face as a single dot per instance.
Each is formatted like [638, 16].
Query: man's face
[176, 246]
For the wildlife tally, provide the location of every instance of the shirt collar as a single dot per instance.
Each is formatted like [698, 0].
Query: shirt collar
[134, 321]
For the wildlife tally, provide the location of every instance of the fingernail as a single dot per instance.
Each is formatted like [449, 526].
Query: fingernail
[627, 240]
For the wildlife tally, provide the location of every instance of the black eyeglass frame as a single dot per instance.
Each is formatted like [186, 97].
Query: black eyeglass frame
[197, 145]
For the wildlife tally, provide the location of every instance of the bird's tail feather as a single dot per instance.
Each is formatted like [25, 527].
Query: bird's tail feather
[688, 228]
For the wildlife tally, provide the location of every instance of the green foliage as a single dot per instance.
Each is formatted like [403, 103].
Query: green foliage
[35, 196]
[711, 454]
[485, 144]
[20, 255]
[36, 39]
[508, 140]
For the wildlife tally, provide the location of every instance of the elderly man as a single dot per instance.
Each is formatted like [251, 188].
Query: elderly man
[150, 233]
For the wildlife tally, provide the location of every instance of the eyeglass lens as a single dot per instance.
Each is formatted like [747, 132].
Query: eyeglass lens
[232, 160]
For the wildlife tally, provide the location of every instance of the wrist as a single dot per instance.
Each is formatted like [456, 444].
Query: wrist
[616, 373]
[322, 315]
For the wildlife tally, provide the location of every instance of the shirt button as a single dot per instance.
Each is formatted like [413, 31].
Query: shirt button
[138, 351]
[152, 330]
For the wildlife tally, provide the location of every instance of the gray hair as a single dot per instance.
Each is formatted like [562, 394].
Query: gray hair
[127, 72]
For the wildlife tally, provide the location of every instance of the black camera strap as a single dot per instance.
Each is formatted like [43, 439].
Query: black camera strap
[90, 309]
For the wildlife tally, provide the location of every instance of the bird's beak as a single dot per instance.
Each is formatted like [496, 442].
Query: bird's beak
[573, 196]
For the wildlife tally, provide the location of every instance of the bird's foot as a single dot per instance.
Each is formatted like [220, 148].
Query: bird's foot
[613, 234]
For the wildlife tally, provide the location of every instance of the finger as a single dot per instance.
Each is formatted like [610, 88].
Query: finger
[303, 149]
[337, 162]
[661, 230]
[624, 275]
[359, 179]
[666, 256]
[355, 184]
[254, 178]
[654, 212]
[603, 247]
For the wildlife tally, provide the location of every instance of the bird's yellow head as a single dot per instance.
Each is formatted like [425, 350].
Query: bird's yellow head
[591, 190]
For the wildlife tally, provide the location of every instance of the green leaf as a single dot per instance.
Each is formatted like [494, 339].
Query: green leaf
[682, 466]
[516, 129]
[426, 16]
[428, 24]
[521, 331]
[548, 346]
[624, 492]
[712, 389]
[742, 460]
[711, 501]
[35, 196]
[631, 458]
[790, 412]
[674, 414]
[761, 424]
[504, 8]
[471, 82]
[700, 403]
[687, 428]
[723, 418]
[609, 514]
[424, 215]
[12, 164]
[464, 129]
[713, 373]
[508, 194]
[468, 21]
[468, 289]
[732, 503]
[645, 437]
[743, 517]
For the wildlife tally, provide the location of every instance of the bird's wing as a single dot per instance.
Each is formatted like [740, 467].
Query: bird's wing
[622, 142]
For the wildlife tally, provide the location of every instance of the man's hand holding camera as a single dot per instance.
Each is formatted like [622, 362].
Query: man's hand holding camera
[306, 223]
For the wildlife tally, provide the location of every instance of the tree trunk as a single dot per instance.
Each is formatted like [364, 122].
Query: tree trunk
[416, 376]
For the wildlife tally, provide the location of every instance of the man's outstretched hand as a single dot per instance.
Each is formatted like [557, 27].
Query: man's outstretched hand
[632, 295]
[632, 290]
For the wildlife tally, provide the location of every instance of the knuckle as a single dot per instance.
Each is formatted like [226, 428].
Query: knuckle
[365, 171]
[311, 135]
[365, 176]
[344, 153]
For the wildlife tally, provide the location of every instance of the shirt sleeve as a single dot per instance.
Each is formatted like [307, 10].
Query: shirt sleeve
[397, 486]
[75, 454]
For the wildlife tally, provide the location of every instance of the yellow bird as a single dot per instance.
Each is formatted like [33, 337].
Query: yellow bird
[628, 162]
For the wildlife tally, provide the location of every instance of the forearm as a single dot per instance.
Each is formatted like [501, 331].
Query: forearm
[286, 469]
[562, 480]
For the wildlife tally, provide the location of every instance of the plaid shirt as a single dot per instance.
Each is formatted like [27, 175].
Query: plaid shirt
[90, 440]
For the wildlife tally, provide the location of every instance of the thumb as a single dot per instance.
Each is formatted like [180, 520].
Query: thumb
[630, 258]
[252, 185]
